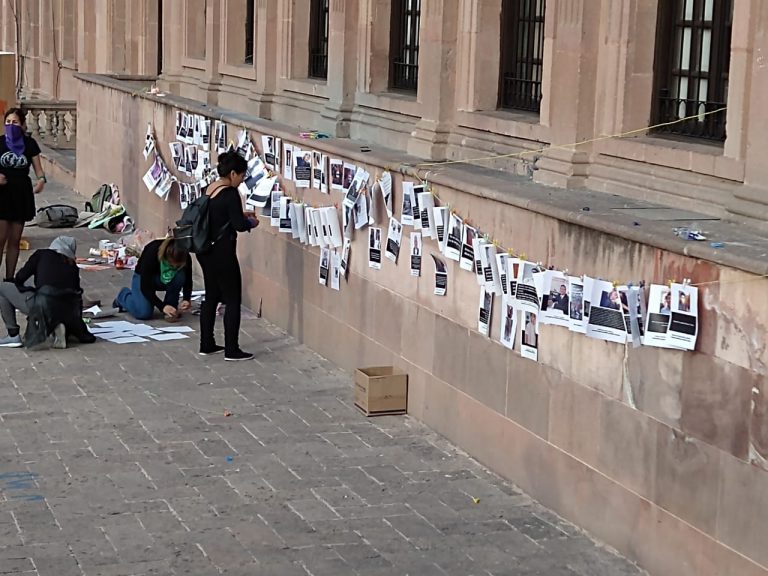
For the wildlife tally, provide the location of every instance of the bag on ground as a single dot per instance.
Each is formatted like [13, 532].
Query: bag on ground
[57, 216]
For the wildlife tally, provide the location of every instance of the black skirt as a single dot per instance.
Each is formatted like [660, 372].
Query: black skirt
[17, 201]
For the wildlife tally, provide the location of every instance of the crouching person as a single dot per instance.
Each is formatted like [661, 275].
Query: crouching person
[47, 290]
[164, 266]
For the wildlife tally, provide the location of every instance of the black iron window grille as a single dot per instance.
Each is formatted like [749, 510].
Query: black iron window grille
[693, 50]
[404, 45]
[249, 29]
[318, 39]
[522, 54]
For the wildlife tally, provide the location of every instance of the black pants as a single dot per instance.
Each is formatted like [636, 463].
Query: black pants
[223, 284]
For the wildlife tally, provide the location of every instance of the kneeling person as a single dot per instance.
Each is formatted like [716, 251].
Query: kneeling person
[163, 267]
[53, 302]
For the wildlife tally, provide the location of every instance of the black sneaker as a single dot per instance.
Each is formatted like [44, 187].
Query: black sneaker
[238, 356]
[215, 350]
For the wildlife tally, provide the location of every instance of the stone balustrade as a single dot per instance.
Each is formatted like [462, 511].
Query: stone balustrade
[52, 123]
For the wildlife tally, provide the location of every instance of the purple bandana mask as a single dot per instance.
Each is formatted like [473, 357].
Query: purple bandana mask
[14, 139]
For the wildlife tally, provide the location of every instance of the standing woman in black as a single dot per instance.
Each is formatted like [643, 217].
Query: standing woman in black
[221, 270]
[18, 152]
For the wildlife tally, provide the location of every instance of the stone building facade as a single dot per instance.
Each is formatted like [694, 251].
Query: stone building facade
[662, 454]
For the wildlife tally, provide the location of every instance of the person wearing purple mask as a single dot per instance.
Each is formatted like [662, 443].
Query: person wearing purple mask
[18, 152]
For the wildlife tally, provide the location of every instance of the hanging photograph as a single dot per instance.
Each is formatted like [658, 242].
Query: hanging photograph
[335, 271]
[374, 248]
[394, 239]
[606, 320]
[348, 176]
[485, 307]
[337, 174]
[285, 216]
[576, 316]
[325, 255]
[441, 276]
[441, 216]
[416, 247]
[345, 257]
[454, 242]
[508, 325]
[468, 235]
[526, 297]
[427, 207]
[287, 161]
[529, 336]
[302, 167]
[406, 216]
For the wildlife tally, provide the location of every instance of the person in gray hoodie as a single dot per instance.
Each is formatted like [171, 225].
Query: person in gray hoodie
[52, 274]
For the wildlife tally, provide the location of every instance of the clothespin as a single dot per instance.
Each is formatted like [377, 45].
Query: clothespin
[511, 253]
[686, 281]
[565, 272]
[614, 283]
[522, 255]
[670, 282]
[495, 243]
[641, 284]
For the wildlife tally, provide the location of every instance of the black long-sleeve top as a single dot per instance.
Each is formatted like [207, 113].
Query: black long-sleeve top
[50, 268]
[148, 268]
[226, 209]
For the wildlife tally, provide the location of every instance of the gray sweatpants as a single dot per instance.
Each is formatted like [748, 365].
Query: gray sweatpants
[10, 301]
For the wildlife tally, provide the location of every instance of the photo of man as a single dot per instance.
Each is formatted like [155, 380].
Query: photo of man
[666, 303]
[559, 299]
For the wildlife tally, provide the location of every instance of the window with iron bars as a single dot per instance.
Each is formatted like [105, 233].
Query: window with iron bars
[404, 45]
[522, 54]
[249, 26]
[693, 52]
[318, 39]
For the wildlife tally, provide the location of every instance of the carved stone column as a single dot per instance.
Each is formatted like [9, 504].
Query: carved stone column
[264, 54]
[572, 35]
[213, 25]
[437, 75]
[342, 67]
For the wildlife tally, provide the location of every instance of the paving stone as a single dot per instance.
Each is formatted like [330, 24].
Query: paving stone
[120, 460]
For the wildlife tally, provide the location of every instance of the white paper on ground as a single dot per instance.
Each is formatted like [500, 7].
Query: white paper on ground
[128, 340]
[116, 325]
[164, 336]
[178, 329]
[92, 310]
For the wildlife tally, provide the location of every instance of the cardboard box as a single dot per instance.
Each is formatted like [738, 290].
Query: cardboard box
[381, 390]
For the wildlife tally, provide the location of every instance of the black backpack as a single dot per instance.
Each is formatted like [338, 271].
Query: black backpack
[57, 216]
[193, 229]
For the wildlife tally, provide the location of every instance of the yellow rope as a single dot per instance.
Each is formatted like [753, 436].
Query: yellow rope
[567, 146]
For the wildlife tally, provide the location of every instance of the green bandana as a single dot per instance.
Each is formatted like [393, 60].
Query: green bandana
[167, 272]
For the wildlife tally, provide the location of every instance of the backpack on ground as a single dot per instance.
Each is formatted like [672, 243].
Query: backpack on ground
[57, 216]
[193, 229]
[104, 195]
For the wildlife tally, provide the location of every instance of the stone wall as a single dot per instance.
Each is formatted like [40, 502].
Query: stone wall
[658, 453]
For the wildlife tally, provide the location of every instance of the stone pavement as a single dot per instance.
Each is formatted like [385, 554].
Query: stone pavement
[119, 460]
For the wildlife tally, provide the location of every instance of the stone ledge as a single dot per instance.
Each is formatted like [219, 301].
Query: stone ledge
[59, 165]
[744, 248]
